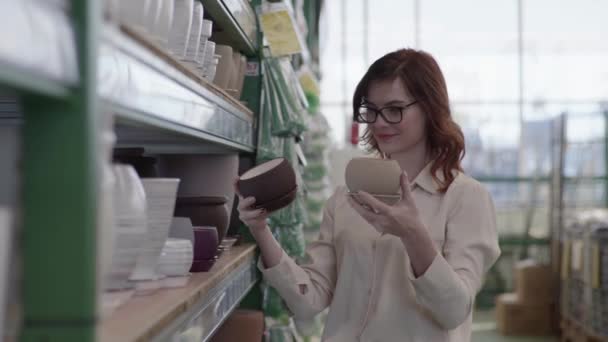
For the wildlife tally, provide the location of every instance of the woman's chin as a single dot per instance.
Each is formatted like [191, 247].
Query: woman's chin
[388, 148]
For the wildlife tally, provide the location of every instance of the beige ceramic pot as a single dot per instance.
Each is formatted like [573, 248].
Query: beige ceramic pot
[379, 177]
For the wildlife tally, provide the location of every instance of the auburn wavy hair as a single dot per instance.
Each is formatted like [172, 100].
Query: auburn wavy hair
[424, 80]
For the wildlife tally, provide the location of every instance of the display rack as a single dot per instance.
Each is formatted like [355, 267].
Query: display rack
[159, 103]
[66, 65]
[207, 299]
[41, 58]
[237, 21]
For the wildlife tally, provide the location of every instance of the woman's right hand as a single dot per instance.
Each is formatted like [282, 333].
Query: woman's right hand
[255, 219]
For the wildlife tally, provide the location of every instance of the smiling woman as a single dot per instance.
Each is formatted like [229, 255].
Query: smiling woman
[410, 83]
[407, 270]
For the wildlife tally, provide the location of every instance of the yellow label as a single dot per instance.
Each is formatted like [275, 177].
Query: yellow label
[280, 32]
[309, 83]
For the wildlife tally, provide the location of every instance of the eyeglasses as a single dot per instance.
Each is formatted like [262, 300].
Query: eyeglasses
[390, 114]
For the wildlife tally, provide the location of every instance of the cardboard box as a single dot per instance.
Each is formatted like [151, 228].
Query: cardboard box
[514, 317]
[241, 326]
[534, 283]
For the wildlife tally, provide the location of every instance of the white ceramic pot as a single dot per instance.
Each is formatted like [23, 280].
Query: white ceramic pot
[225, 66]
[194, 38]
[181, 26]
[160, 203]
[205, 35]
[236, 67]
[130, 226]
[181, 228]
[151, 16]
[164, 23]
[176, 257]
[241, 78]
[133, 13]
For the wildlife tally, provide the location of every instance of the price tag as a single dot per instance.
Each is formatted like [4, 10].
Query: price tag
[253, 69]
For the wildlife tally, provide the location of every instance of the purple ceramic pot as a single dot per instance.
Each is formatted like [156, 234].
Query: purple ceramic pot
[205, 242]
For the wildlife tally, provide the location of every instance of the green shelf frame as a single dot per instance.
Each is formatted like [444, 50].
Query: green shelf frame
[60, 184]
[60, 187]
[59, 200]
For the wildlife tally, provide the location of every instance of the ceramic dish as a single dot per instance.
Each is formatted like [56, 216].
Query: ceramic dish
[205, 243]
[271, 183]
[181, 228]
[130, 226]
[387, 199]
[164, 22]
[279, 203]
[225, 66]
[373, 175]
[160, 200]
[194, 39]
[205, 211]
[176, 257]
[181, 26]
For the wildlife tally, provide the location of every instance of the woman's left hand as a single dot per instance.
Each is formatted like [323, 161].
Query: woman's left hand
[399, 219]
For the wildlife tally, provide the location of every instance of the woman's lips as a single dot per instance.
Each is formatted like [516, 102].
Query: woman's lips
[384, 137]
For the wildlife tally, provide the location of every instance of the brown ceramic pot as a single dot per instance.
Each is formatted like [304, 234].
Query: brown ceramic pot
[205, 211]
[273, 184]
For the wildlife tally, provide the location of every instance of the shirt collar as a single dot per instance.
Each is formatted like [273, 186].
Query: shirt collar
[425, 180]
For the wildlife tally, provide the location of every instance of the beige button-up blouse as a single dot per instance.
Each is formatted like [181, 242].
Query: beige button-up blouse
[366, 278]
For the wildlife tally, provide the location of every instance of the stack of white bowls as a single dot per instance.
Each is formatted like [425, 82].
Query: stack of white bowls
[175, 261]
[235, 85]
[225, 66]
[205, 35]
[160, 200]
[164, 20]
[180, 29]
[130, 229]
[151, 14]
[194, 39]
[210, 61]
[133, 13]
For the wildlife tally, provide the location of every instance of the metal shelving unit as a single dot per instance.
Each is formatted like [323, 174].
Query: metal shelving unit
[237, 21]
[41, 59]
[158, 105]
[204, 303]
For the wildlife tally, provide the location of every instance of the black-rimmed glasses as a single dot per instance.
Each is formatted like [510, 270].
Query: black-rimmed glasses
[390, 114]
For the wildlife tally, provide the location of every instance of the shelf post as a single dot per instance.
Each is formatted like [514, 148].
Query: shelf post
[605, 112]
[59, 200]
